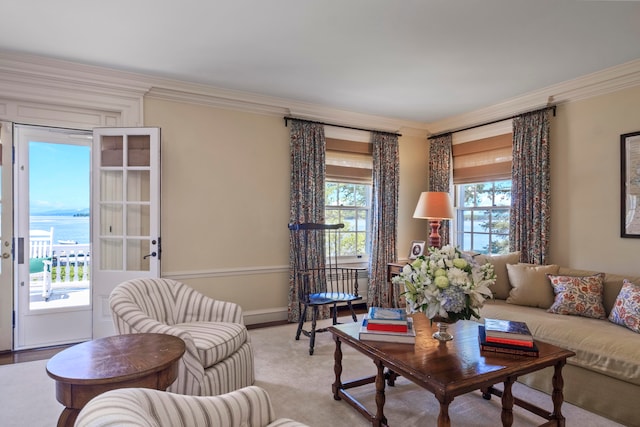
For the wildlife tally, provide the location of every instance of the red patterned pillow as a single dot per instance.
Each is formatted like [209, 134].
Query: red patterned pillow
[581, 296]
[626, 310]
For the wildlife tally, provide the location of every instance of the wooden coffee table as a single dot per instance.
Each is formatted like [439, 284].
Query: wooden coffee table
[448, 370]
[86, 370]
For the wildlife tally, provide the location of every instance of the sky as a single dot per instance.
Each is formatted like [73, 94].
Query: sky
[59, 177]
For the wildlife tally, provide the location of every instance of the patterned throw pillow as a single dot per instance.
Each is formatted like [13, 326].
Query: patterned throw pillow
[581, 296]
[626, 310]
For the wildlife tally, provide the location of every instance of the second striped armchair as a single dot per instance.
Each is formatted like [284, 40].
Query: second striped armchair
[140, 407]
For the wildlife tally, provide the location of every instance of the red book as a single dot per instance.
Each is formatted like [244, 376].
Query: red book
[387, 327]
[496, 347]
[519, 343]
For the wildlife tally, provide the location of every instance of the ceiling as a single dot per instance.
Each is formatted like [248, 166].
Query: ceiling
[417, 60]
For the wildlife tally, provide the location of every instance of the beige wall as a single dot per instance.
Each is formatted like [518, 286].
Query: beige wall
[585, 183]
[225, 193]
[225, 202]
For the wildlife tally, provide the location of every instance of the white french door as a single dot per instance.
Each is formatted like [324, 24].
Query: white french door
[126, 209]
[124, 233]
[6, 234]
[52, 280]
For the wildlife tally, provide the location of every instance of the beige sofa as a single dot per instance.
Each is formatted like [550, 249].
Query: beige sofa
[604, 376]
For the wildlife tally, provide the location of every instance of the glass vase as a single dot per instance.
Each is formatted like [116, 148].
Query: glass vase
[442, 334]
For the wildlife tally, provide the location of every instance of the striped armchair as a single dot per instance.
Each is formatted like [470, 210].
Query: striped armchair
[218, 357]
[140, 407]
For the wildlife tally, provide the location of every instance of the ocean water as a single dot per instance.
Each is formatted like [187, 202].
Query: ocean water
[74, 228]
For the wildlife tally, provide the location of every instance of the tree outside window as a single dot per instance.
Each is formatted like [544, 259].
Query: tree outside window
[482, 220]
[349, 204]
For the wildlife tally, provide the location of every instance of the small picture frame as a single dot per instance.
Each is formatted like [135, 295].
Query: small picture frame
[417, 249]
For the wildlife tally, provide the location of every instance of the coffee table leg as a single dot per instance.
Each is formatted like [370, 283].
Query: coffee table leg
[507, 403]
[380, 419]
[443, 416]
[337, 368]
[557, 396]
[68, 417]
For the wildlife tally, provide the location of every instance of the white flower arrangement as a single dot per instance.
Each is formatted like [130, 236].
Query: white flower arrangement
[446, 285]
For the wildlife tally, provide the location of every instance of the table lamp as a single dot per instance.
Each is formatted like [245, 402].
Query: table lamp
[434, 206]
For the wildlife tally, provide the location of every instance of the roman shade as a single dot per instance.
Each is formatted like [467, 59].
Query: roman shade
[348, 161]
[482, 160]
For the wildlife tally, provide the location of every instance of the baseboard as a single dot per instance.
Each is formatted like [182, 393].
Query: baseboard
[270, 317]
[259, 317]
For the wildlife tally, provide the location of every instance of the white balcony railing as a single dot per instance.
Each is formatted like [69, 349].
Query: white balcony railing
[70, 263]
[70, 266]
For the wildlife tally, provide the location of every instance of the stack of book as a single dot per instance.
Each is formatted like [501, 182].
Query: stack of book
[507, 336]
[387, 325]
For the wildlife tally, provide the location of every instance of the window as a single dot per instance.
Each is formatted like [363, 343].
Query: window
[349, 204]
[482, 217]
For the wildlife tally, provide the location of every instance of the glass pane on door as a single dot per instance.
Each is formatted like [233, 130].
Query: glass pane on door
[58, 245]
[137, 250]
[125, 211]
[111, 251]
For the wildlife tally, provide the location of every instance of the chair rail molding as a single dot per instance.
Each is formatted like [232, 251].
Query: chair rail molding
[225, 272]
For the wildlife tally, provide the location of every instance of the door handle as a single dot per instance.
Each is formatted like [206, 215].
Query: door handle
[148, 255]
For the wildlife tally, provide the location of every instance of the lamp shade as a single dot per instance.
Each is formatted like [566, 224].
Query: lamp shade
[434, 205]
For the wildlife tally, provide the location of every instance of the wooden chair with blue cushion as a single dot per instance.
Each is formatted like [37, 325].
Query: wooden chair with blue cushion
[318, 278]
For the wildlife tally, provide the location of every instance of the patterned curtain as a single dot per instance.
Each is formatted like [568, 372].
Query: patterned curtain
[530, 214]
[384, 214]
[440, 174]
[307, 150]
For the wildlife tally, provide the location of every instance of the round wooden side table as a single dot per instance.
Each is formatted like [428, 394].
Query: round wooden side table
[88, 369]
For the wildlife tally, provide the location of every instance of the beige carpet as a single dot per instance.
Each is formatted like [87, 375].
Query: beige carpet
[300, 388]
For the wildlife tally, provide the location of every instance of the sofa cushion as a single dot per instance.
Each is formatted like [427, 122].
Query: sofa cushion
[530, 285]
[215, 341]
[581, 296]
[626, 310]
[600, 345]
[501, 288]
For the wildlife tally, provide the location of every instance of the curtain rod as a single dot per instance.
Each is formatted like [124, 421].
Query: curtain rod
[553, 107]
[287, 118]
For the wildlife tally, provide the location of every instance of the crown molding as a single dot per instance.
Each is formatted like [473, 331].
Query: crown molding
[40, 79]
[46, 80]
[349, 118]
[63, 73]
[595, 84]
[179, 91]
[207, 96]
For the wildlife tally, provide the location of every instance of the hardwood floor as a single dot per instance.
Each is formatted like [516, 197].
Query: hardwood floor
[9, 357]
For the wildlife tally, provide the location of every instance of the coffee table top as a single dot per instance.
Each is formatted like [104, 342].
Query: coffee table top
[119, 356]
[454, 367]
